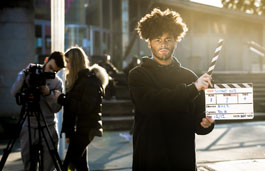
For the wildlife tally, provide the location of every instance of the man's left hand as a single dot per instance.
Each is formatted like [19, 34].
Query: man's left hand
[45, 90]
[207, 122]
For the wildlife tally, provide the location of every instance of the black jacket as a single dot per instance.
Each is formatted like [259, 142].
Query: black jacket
[169, 110]
[82, 108]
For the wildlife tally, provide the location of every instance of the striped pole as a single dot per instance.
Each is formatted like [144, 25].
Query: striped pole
[215, 57]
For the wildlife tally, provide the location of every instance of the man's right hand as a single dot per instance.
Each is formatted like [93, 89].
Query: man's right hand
[57, 94]
[67, 140]
[29, 65]
[203, 82]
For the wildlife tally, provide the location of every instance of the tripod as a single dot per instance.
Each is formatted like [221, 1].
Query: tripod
[32, 109]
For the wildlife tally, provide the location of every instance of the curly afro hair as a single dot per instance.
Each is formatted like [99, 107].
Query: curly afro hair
[158, 22]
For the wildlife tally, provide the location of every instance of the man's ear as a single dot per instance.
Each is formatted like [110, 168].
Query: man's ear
[46, 60]
[149, 44]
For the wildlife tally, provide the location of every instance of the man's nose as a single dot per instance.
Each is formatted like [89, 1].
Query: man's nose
[163, 43]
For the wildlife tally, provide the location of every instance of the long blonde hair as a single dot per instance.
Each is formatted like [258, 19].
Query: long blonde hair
[78, 60]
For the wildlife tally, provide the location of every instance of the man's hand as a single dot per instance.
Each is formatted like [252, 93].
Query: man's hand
[57, 94]
[45, 90]
[203, 82]
[67, 140]
[27, 68]
[207, 122]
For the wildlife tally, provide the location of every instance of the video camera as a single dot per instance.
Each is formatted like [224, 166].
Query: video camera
[35, 77]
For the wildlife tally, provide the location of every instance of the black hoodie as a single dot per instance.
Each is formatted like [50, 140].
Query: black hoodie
[169, 110]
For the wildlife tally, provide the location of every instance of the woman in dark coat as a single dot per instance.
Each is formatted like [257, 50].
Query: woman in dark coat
[82, 106]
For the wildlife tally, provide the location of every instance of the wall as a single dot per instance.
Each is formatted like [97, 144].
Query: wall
[17, 50]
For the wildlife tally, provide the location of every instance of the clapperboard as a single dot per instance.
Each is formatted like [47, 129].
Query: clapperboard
[228, 101]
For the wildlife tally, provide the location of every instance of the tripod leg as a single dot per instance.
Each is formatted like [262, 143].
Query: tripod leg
[53, 152]
[40, 146]
[33, 158]
[12, 141]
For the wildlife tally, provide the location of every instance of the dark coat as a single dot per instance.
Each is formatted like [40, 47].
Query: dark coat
[82, 108]
[169, 110]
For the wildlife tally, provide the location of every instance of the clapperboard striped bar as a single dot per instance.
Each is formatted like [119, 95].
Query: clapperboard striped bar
[234, 85]
[230, 101]
[215, 56]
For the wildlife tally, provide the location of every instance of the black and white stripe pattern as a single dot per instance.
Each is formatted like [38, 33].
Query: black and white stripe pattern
[233, 85]
[215, 57]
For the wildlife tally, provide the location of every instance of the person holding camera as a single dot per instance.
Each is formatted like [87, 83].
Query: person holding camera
[27, 79]
[82, 106]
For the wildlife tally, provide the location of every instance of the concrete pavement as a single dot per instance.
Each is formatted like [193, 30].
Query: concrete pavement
[237, 165]
[112, 152]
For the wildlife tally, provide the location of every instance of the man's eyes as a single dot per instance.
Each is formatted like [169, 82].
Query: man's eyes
[166, 40]
[52, 70]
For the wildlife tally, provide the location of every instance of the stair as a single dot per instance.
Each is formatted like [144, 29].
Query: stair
[117, 113]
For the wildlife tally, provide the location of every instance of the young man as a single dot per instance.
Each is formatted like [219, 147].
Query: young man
[49, 106]
[168, 98]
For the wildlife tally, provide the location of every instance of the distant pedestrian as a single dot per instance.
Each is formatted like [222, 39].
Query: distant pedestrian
[135, 61]
[112, 72]
[82, 106]
[169, 101]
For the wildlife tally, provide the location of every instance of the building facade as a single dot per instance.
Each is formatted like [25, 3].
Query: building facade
[207, 25]
[108, 26]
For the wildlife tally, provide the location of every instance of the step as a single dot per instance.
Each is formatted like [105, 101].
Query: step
[258, 84]
[117, 107]
[259, 89]
[122, 92]
[118, 118]
[259, 99]
[117, 123]
[259, 95]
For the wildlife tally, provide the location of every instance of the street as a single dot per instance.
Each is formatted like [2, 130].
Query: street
[224, 146]
[227, 142]
[232, 142]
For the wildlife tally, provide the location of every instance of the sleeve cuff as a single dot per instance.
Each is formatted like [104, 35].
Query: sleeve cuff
[61, 99]
[193, 92]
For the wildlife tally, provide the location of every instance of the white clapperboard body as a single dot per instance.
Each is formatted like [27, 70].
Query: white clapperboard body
[229, 101]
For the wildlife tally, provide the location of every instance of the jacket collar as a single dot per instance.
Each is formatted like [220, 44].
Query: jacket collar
[150, 63]
[84, 72]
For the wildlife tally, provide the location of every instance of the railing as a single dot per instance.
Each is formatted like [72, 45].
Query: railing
[256, 48]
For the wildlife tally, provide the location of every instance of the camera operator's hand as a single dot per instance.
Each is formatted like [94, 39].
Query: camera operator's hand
[203, 82]
[27, 68]
[45, 90]
[67, 140]
[57, 94]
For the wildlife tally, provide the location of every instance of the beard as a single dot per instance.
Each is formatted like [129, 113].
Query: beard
[162, 57]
